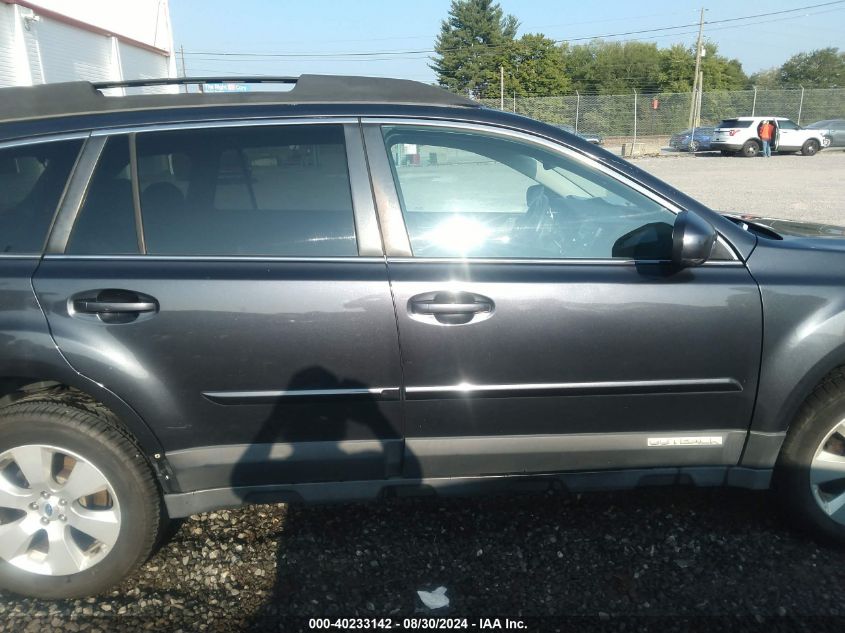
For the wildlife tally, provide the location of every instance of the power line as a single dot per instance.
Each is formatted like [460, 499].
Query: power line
[302, 60]
[496, 46]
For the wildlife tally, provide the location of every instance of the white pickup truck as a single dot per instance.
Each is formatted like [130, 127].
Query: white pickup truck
[740, 136]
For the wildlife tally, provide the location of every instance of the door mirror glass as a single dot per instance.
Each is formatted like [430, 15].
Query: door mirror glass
[692, 240]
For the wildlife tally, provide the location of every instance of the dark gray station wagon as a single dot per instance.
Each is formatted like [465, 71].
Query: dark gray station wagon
[365, 287]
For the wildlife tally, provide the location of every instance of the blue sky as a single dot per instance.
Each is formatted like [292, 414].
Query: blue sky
[320, 31]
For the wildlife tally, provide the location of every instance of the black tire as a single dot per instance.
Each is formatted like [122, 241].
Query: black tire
[819, 414]
[750, 149]
[810, 148]
[90, 432]
[694, 146]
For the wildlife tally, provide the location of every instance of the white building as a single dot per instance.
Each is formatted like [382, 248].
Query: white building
[47, 41]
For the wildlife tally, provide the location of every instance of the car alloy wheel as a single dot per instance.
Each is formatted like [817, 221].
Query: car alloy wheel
[59, 515]
[827, 474]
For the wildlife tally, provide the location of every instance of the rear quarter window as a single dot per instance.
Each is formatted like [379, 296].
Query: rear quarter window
[32, 179]
[735, 123]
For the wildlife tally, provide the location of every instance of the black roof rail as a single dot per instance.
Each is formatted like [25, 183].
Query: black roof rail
[192, 81]
[82, 97]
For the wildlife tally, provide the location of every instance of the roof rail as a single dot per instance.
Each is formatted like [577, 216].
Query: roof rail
[192, 81]
[84, 98]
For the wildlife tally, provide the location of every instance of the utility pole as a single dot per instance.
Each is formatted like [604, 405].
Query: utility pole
[501, 87]
[695, 85]
[182, 55]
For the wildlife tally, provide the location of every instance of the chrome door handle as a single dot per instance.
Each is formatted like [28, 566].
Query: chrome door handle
[450, 307]
[102, 307]
[431, 307]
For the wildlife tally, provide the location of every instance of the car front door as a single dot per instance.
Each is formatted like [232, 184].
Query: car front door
[228, 282]
[541, 327]
[788, 135]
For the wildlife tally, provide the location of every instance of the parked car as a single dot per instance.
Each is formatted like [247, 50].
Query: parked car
[203, 298]
[740, 136]
[590, 137]
[834, 129]
[687, 141]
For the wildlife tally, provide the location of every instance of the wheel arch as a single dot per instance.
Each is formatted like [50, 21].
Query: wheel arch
[14, 388]
[767, 434]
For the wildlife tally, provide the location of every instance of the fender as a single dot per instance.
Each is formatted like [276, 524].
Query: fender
[803, 332]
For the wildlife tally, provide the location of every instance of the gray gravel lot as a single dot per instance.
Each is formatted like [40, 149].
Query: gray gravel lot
[789, 186]
[661, 553]
[650, 552]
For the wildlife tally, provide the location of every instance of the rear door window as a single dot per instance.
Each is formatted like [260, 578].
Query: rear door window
[232, 191]
[264, 191]
[32, 179]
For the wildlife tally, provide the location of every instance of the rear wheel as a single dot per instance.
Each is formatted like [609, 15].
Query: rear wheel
[810, 148]
[810, 473]
[694, 146]
[750, 149]
[79, 507]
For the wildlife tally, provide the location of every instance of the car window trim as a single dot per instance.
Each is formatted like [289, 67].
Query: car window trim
[51, 138]
[367, 233]
[390, 212]
[74, 196]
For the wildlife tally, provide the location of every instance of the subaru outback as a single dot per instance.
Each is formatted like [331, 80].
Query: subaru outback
[361, 287]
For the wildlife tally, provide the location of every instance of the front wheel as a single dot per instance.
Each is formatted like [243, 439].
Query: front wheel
[810, 474]
[810, 148]
[79, 507]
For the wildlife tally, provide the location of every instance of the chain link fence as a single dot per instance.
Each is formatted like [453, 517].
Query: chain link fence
[652, 118]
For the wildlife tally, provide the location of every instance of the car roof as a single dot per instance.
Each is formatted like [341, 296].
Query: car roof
[83, 98]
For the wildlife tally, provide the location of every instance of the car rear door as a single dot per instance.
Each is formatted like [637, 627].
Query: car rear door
[227, 281]
[541, 328]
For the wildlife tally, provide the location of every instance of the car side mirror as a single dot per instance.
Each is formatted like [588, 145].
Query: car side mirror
[692, 240]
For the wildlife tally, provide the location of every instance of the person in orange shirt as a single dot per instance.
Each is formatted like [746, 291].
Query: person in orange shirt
[766, 132]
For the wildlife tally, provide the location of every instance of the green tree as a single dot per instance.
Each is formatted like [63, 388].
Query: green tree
[768, 79]
[822, 68]
[721, 73]
[474, 40]
[534, 66]
[677, 67]
[614, 67]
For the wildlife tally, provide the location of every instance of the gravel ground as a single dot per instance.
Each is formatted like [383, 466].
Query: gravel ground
[664, 553]
[669, 553]
[789, 186]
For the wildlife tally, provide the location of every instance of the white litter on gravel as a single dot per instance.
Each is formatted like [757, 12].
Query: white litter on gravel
[434, 599]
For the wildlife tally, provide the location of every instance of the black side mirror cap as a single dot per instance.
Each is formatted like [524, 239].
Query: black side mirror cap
[692, 240]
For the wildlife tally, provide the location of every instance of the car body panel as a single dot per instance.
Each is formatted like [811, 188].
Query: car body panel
[30, 352]
[801, 281]
[241, 352]
[576, 349]
[266, 379]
